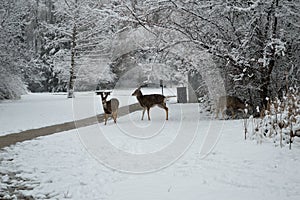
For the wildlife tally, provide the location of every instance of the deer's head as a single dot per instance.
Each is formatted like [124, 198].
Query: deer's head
[137, 92]
[104, 97]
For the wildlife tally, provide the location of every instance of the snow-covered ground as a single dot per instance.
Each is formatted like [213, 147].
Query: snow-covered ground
[136, 159]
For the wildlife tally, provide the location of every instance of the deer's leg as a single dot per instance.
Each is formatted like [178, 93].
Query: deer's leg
[114, 117]
[167, 113]
[143, 113]
[217, 113]
[148, 112]
[223, 113]
[166, 109]
[105, 118]
[232, 113]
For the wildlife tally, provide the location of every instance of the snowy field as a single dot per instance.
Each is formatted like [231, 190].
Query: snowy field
[188, 157]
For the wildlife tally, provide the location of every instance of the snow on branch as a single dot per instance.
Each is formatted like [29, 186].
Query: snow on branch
[244, 9]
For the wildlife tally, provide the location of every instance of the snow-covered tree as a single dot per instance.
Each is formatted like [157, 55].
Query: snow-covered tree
[14, 54]
[52, 43]
[87, 27]
[250, 39]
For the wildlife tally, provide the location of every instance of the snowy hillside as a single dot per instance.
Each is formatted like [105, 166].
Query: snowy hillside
[136, 159]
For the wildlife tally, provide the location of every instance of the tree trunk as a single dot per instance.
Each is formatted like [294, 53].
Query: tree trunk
[73, 53]
[268, 67]
[72, 67]
[36, 32]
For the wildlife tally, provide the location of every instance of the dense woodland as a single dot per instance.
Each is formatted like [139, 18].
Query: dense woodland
[249, 47]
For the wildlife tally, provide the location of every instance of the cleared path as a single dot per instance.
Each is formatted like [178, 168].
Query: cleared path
[13, 138]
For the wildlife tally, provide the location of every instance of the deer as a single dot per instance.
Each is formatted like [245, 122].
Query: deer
[149, 101]
[110, 107]
[229, 102]
[294, 133]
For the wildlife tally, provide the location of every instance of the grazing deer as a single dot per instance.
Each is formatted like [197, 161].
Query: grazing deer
[294, 133]
[110, 107]
[149, 101]
[229, 102]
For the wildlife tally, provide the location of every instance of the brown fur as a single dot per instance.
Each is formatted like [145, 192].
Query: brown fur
[229, 102]
[149, 101]
[110, 107]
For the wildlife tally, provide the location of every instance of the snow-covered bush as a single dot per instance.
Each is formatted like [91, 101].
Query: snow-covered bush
[11, 86]
[280, 121]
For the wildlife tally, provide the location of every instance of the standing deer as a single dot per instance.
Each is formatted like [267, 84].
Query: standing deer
[110, 107]
[229, 102]
[149, 101]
